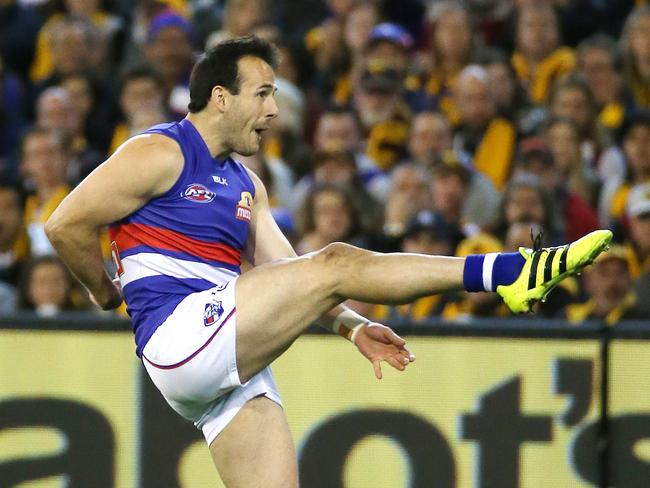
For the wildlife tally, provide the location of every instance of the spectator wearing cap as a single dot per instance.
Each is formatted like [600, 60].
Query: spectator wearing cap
[430, 144]
[426, 233]
[384, 115]
[536, 158]
[387, 45]
[608, 283]
[635, 44]
[452, 49]
[538, 58]
[169, 51]
[638, 214]
[481, 133]
[635, 142]
[638, 243]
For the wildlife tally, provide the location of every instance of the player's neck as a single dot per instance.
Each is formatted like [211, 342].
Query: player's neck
[211, 132]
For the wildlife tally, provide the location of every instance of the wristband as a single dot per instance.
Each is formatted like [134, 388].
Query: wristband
[347, 323]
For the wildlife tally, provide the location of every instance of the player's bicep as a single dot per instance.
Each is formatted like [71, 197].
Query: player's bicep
[141, 169]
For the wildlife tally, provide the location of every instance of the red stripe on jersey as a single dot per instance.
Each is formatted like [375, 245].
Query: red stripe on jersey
[127, 236]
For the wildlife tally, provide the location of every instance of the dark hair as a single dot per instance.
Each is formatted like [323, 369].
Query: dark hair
[219, 66]
[139, 72]
[24, 300]
[602, 42]
[62, 139]
[308, 220]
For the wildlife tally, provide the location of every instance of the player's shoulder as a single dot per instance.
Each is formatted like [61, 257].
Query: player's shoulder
[152, 146]
[257, 181]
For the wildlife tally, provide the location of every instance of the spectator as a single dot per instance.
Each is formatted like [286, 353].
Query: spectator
[55, 110]
[430, 144]
[409, 194]
[635, 141]
[536, 158]
[539, 59]
[44, 165]
[140, 99]
[452, 50]
[638, 246]
[489, 139]
[169, 51]
[563, 141]
[608, 283]
[599, 64]
[46, 287]
[383, 113]
[525, 200]
[240, 17]
[340, 129]
[329, 216]
[19, 25]
[427, 233]
[635, 43]
[14, 246]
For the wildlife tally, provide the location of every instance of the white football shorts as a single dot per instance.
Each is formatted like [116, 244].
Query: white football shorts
[191, 359]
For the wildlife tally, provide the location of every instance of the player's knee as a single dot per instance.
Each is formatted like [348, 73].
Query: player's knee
[337, 253]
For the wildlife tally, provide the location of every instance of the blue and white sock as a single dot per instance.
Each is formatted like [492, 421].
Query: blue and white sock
[484, 272]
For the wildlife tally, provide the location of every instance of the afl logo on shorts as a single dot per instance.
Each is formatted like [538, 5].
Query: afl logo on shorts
[244, 207]
[198, 193]
[212, 313]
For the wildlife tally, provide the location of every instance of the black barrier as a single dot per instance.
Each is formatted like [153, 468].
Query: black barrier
[603, 450]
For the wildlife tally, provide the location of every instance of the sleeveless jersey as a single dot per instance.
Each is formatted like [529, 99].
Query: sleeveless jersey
[187, 240]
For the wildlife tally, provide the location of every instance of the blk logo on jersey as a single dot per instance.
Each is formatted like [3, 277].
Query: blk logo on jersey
[221, 180]
[245, 207]
[212, 313]
[198, 193]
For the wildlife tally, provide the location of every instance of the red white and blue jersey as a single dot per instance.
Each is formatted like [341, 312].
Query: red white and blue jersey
[187, 240]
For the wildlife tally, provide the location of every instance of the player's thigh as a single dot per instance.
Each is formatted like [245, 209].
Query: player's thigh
[256, 448]
[276, 302]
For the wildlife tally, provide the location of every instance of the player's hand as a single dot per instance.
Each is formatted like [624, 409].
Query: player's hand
[109, 298]
[379, 343]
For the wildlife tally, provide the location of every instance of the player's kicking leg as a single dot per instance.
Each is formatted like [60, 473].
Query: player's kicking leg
[278, 301]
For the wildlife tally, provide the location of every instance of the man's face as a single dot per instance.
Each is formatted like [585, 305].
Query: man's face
[572, 103]
[71, 50]
[44, 160]
[429, 136]
[524, 205]
[375, 106]
[252, 109]
[536, 32]
[170, 52]
[10, 217]
[640, 45]
[640, 232]
[608, 282]
[140, 94]
[597, 66]
[336, 132]
[475, 103]
[636, 147]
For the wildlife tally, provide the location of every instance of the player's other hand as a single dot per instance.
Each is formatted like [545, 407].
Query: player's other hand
[379, 343]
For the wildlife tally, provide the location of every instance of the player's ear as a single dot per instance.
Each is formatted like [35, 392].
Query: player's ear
[220, 98]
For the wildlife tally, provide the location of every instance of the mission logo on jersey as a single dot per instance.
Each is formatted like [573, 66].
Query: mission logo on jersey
[198, 193]
[244, 207]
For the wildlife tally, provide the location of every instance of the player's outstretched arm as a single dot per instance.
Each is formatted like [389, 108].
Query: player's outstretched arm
[376, 342]
[142, 168]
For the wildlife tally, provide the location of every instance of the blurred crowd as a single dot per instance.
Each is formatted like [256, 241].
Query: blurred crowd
[428, 126]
